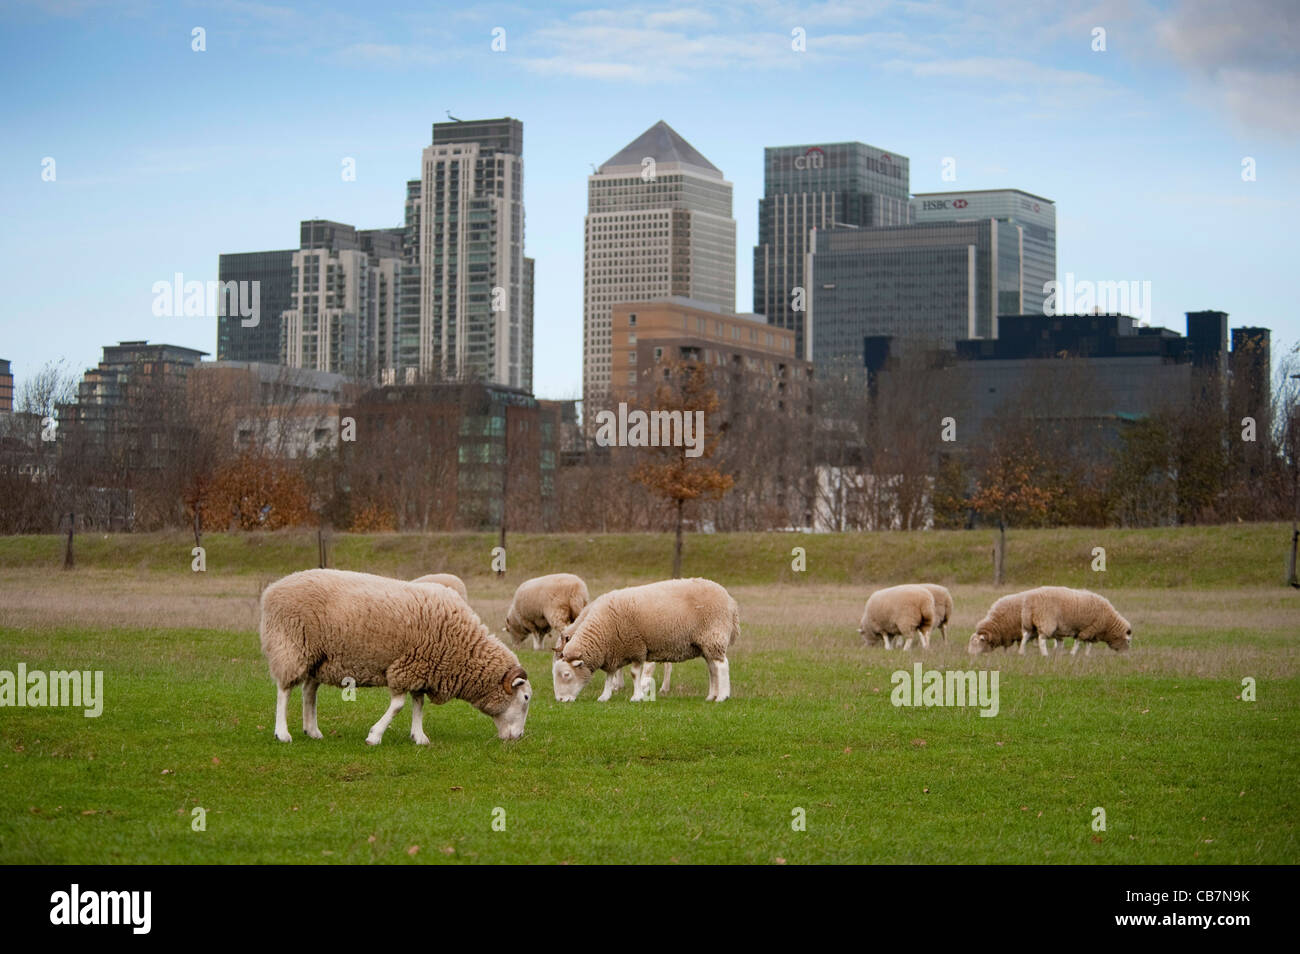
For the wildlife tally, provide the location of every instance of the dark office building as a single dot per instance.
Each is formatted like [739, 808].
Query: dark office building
[274, 270]
[923, 285]
[1100, 370]
[817, 187]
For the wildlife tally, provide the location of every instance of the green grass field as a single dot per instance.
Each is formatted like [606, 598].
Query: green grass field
[1186, 771]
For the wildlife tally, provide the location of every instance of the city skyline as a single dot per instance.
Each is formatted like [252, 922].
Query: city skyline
[1142, 146]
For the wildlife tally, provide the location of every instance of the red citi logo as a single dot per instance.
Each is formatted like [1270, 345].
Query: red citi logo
[814, 158]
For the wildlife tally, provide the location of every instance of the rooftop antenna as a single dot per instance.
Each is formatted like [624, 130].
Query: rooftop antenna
[453, 118]
[594, 170]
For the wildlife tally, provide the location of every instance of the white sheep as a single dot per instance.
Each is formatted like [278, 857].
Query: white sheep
[328, 626]
[669, 621]
[902, 611]
[450, 580]
[1052, 612]
[942, 607]
[545, 604]
[1000, 626]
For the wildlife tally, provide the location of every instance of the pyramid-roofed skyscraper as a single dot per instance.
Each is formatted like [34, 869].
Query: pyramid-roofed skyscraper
[658, 225]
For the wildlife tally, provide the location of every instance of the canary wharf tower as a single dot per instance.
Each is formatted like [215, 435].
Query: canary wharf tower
[658, 225]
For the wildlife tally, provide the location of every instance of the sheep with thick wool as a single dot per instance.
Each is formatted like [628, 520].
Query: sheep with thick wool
[942, 607]
[1053, 612]
[328, 626]
[637, 626]
[898, 612]
[544, 605]
[449, 580]
[1000, 627]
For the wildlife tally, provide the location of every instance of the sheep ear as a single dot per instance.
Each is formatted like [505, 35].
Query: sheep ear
[577, 663]
[518, 682]
[513, 677]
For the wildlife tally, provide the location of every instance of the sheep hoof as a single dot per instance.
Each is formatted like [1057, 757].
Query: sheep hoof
[373, 740]
[420, 739]
[314, 733]
[286, 737]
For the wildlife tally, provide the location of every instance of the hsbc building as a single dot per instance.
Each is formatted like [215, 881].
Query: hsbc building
[1034, 215]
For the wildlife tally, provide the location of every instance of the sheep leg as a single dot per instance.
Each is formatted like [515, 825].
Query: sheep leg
[1024, 638]
[417, 719]
[613, 684]
[925, 639]
[537, 641]
[282, 713]
[638, 687]
[943, 628]
[888, 644]
[379, 728]
[720, 677]
[907, 646]
[309, 709]
[668, 678]
[1087, 650]
[713, 680]
[1042, 644]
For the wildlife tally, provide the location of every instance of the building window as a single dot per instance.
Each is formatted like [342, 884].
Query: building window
[631, 320]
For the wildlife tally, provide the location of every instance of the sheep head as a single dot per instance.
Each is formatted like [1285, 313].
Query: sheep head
[569, 675]
[514, 693]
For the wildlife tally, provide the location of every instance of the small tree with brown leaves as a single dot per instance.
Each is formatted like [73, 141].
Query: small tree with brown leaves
[684, 389]
[1010, 489]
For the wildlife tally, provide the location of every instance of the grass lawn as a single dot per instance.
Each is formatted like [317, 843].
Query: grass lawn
[1185, 771]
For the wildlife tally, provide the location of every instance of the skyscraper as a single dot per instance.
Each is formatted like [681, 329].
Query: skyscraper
[475, 309]
[345, 296]
[924, 285]
[1034, 215]
[658, 224]
[807, 187]
[274, 273]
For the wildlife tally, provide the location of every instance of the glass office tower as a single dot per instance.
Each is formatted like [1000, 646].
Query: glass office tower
[1035, 216]
[817, 186]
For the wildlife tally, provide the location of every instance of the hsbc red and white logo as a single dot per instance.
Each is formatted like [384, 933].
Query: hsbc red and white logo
[930, 205]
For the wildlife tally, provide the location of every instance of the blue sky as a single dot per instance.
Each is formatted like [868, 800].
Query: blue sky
[166, 157]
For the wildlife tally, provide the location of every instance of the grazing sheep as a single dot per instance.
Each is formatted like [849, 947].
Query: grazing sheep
[449, 580]
[1000, 626]
[1055, 611]
[545, 604]
[326, 626]
[942, 607]
[898, 611]
[670, 621]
